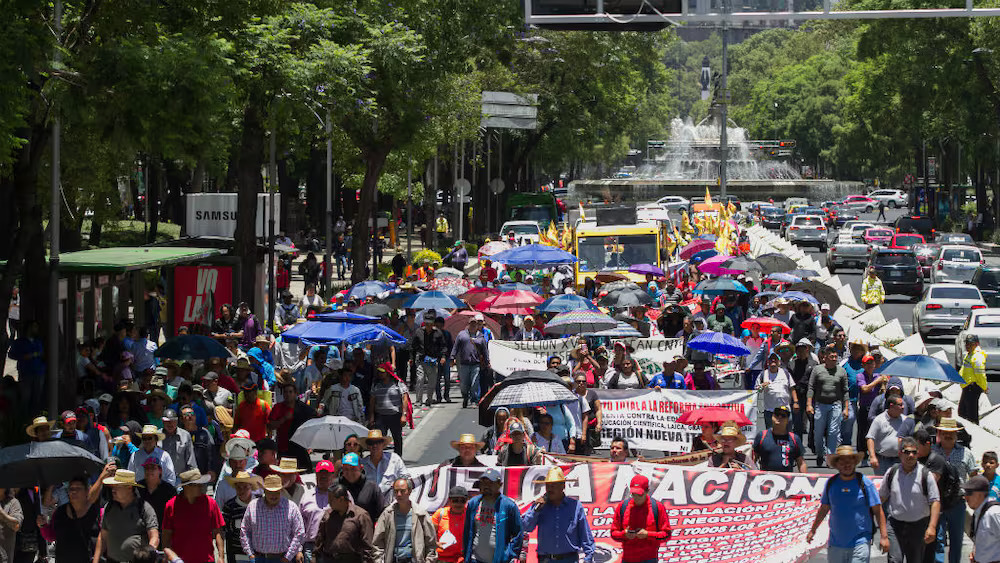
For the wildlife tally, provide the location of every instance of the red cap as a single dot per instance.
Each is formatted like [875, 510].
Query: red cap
[639, 485]
[868, 358]
[326, 465]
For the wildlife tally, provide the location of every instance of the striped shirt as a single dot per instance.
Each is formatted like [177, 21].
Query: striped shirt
[272, 530]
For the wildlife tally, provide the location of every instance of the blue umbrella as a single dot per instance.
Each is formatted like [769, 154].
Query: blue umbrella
[920, 367]
[513, 286]
[707, 236]
[718, 286]
[191, 347]
[702, 256]
[534, 255]
[433, 300]
[718, 343]
[318, 333]
[623, 330]
[367, 289]
[800, 296]
[345, 317]
[766, 296]
[566, 302]
[371, 334]
[783, 277]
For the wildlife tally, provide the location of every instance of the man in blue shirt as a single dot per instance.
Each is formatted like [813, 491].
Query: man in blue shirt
[853, 504]
[567, 533]
[493, 532]
[669, 378]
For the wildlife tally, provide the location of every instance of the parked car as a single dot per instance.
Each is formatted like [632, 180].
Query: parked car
[674, 203]
[984, 323]
[525, 232]
[919, 224]
[899, 271]
[956, 263]
[847, 252]
[771, 217]
[878, 236]
[892, 198]
[987, 279]
[945, 307]
[926, 255]
[905, 240]
[955, 238]
[859, 204]
[808, 230]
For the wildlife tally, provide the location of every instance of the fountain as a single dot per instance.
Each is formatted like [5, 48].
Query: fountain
[688, 162]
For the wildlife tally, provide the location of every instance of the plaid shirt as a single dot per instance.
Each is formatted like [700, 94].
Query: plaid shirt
[272, 530]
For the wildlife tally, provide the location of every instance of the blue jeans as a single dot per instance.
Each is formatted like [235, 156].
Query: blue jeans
[952, 523]
[468, 378]
[341, 265]
[847, 425]
[857, 554]
[826, 428]
[259, 559]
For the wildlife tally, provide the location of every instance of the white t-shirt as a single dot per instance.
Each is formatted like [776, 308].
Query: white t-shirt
[778, 391]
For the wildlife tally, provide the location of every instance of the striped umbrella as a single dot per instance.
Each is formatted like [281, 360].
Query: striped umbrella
[577, 322]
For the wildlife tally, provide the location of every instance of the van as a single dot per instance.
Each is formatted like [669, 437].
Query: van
[920, 224]
[793, 201]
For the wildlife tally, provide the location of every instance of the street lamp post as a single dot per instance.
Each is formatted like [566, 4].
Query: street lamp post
[775, 120]
[328, 127]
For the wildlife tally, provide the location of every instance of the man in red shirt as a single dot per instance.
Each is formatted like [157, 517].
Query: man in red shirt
[640, 523]
[252, 413]
[192, 520]
[285, 419]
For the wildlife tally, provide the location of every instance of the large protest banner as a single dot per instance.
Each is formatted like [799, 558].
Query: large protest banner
[717, 516]
[508, 356]
[647, 418]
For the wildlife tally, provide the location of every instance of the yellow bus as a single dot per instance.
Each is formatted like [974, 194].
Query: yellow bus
[615, 248]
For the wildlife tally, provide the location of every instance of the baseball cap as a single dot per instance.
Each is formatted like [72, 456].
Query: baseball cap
[492, 474]
[804, 342]
[783, 409]
[977, 484]
[459, 492]
[639, 485]
[326, 465]
[867, 358]
[478, 317]
[169, 414]
[351, 459]
[267, 444]
[105, 398]
[516, 427]
[66, 416]
[210, 376]
[161, 371]
[151, 461]
[824, 307]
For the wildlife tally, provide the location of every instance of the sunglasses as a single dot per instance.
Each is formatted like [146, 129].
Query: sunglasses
[780, 415]
[908, 452]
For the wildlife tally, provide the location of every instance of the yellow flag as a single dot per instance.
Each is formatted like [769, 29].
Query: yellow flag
[553, 235]
[708, 196]
[583, 216]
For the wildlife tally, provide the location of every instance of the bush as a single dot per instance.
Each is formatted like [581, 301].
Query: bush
[419, 257]
[472, 248]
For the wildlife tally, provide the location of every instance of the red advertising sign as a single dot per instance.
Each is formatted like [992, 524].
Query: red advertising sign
[199, 291]
[716, 515]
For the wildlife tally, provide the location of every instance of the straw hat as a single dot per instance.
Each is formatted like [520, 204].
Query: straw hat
[860, 342]
[948, 425]
[193, 477]
[158, 394]
[150, 430]
[272, 483]
[122, 477]
[731, 430]
[844, 451]
[37, 423]
[224, 417]
[375, 435]
[287, 465]
[555, 475]
[244, 477]
[467, 439]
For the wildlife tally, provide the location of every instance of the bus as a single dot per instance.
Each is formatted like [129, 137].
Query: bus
[615, 248]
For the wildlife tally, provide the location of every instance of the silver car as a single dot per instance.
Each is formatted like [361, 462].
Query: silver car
[808, 230]
[984, 323]
[674, 203]
[956, 263]
[945, 307]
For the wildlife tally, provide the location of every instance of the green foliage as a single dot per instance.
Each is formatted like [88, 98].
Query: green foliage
[426, 254]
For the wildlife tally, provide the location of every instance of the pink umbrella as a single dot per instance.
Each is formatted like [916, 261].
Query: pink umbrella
[713, 265]
[516, 302]
[696, 246]
[475, 295]
[491, 248]
[457, 322]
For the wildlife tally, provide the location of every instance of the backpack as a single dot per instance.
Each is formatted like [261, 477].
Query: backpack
[653, 502]
[791, 438]
[950, 486]
[891, 474]
[861, 485]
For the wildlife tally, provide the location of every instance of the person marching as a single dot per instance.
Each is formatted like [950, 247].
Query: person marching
[564, 519]
[640, 524]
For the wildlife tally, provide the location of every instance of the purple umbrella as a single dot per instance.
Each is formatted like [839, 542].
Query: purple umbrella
[645, 269]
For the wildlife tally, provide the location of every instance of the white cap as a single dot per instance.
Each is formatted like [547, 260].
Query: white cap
[478, 317]
[824, 307]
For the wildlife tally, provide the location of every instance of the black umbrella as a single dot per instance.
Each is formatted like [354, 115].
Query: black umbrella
[514, 379]
[774, 263]
[373, 310]
[822, 292]
[191, 347]
[626, 298]
[619, 285]
[741, 264]
[45, 463]
[803, 273]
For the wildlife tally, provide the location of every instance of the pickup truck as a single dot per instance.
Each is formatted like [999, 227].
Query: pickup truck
[849, 251]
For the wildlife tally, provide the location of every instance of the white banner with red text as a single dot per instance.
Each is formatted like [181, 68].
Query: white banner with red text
[508, 356]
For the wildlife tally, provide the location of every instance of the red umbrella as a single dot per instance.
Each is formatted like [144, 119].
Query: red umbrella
[457, 323]
[696, 246]
[764, 324]
[515, 302]
[474, 296]
[718, 415]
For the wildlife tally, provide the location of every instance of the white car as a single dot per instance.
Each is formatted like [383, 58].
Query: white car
[984, 323]
[892, 198]
[945, 307]
[956, 263]
[674, 203]
[525, 232]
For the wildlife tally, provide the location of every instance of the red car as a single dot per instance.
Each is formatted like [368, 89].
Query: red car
[879, 236]
[905, 240]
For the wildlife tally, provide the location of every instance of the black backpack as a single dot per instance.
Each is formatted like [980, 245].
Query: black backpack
[864, 490]
[950, 486]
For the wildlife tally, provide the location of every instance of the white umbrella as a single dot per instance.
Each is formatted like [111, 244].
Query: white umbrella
[327, 433]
